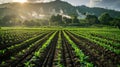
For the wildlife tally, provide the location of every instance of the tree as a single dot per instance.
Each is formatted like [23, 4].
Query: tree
[52, 19]
[67, 20]
[1, 23]
[7, 20]
[105, 18]
[57, 18]
[115, 22]
[92, 19]
[76, 20]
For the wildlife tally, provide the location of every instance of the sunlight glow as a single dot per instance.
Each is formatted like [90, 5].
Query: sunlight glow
[20, 1]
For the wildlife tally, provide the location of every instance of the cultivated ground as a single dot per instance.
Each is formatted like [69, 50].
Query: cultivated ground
[59, 47]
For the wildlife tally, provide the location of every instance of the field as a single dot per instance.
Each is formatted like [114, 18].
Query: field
[60, 47]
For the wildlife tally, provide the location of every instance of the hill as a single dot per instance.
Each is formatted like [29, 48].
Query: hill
[41, 10]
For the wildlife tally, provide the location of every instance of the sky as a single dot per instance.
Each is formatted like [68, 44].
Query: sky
[110, 4]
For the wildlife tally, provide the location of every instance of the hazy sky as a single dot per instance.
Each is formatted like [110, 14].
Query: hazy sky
[73, 2]
[113, 4]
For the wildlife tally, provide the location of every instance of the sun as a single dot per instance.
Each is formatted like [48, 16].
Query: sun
[20, 1]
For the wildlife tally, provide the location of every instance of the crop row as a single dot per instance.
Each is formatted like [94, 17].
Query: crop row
[59, 48]
[21, 48]
[98, 54]
[108, 44]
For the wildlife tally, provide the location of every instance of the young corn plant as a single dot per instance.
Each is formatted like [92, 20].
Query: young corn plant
[79, 53]
[38, 53]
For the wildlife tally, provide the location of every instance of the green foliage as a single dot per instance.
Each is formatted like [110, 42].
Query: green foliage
[83, 58]
[28, 64]
[10, 20]
[98, 11]
[13, 58]
[115, 22]
[36, 22]
[67, 20]
[2, 51]
[107, 38]
[61, 20]
[59, 55]
[11, 16]
[75, 20]
[37, 54]
[3, 62]
[105, 18]
[57, 18]
[101, 37]
[92, 19]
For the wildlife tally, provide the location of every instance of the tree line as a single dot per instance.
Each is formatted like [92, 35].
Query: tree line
[103, 19]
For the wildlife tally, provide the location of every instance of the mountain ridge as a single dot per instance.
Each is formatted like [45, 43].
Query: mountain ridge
[31, 10]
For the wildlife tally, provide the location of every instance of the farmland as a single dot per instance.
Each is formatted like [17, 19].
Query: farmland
[60, 47]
